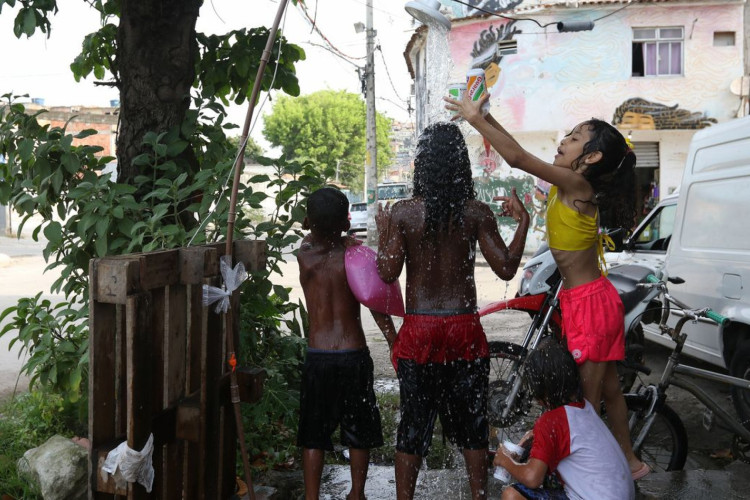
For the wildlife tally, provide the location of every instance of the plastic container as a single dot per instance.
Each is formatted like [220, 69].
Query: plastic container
[515, 452]
[456, 91]
[476, 86]
[372, 292]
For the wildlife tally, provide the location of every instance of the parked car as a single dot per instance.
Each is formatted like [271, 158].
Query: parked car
[393, 192]
[700, 236]
[358, 216]
[648, 244]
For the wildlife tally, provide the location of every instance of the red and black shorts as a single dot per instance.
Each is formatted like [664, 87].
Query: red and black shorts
[443, 370]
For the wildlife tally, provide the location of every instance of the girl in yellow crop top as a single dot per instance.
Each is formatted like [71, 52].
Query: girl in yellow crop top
[593, 180]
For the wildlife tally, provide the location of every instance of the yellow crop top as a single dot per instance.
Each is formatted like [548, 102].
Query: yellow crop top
[570, 230]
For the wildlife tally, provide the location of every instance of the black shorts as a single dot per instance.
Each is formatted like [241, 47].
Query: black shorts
[457, 391]
[336, 390]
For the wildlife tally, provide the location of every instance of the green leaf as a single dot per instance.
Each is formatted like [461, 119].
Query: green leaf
[101, 246]
[29, 21]
[86, 133]
[53, 231]
[176, 148]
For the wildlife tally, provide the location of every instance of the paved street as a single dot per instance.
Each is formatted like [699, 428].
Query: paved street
[21, 275]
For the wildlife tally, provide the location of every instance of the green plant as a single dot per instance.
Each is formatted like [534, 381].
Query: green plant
[86, 215]
[26, 421]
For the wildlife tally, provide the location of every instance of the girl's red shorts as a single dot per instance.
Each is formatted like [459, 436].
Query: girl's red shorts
[593, 321]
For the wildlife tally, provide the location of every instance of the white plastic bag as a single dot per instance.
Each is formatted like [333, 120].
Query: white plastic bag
[233, 278]
[129, 466]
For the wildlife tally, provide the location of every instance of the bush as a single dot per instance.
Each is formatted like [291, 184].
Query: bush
[27, 421]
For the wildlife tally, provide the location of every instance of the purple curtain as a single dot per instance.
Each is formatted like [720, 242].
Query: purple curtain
[676, 58]
[649, 58]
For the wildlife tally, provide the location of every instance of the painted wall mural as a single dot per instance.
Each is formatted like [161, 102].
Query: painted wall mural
[555, 80]
[641, 114]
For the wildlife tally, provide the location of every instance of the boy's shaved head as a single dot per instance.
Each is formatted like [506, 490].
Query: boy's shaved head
[328, 210]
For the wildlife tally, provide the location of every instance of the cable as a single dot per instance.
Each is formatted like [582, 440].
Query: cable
[534, 20]
[314, 26]
[332, 52]
[385, 65]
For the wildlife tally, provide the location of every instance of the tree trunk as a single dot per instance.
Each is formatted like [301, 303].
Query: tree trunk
[156, 50]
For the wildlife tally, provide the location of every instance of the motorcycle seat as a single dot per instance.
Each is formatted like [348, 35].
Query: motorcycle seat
[625, 278]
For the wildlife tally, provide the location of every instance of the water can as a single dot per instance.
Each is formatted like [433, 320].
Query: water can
[476, 86]
[456, 91]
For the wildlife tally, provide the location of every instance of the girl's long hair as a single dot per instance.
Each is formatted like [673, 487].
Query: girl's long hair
[442, 176]
[612, 177]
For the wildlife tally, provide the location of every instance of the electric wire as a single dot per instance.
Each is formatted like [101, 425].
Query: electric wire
[306, 15]
[532, 19]
[387, 72]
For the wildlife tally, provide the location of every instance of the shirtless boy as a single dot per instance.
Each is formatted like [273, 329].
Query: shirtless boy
[337, 378]
[441, 350]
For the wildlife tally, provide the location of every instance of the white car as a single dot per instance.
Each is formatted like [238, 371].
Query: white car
[358, 217]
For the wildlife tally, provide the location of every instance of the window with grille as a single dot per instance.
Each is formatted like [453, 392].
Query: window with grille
[657, 51]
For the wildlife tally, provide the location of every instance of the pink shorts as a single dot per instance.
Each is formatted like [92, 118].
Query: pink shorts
[592, 321]
[440, 339]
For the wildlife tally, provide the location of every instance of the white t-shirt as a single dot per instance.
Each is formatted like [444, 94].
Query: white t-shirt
[574, 440]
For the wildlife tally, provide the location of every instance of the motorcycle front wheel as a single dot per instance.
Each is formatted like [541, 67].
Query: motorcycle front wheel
[505, 367]
[665, 446]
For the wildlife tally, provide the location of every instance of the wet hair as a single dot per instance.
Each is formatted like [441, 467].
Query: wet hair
[551, 375]
[612, 177]
[327, 210]
[442, 176]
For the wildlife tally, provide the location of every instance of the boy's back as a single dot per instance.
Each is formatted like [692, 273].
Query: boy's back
[337, 377]
[334, 312]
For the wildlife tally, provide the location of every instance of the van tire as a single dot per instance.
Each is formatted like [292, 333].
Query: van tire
[740, 367]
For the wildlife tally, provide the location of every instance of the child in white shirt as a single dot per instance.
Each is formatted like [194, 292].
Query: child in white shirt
[569, 438]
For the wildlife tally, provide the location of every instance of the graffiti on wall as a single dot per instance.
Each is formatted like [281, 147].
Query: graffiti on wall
[638, 113]
[489, 6]
[485, 54]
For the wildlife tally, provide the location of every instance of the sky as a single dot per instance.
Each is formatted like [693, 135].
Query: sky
[39, 66]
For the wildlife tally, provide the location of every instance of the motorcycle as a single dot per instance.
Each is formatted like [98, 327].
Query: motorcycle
[509, 407]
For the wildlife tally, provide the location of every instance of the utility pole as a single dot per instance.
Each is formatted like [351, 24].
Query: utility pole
[371, 155]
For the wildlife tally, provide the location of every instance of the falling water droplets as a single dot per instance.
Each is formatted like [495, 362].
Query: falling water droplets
[437, 73]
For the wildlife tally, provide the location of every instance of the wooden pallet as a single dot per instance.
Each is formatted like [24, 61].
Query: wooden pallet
[157, 364]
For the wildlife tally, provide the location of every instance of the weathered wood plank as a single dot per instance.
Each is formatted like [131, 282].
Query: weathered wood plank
[102, 404]
[175, 364]
[213, 360]
[114, 279]
[140, 380]
[194, 461]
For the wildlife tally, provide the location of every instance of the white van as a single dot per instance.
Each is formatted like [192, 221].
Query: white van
[703, 237]
[710, 247]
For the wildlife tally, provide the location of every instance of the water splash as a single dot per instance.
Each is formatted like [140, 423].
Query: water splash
[437, 73]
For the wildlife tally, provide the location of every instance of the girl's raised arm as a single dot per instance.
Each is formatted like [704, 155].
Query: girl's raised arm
[511, 151]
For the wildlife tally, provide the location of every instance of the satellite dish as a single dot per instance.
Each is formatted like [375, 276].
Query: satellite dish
[740, 86]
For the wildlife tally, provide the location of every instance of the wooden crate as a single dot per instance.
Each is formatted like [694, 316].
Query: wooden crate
[157, 364]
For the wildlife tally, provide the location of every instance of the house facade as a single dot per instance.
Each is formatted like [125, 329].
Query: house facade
[657, 69]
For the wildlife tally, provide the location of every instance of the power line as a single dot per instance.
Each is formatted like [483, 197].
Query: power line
[314, 26]
[387, 72]
[532, 19]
